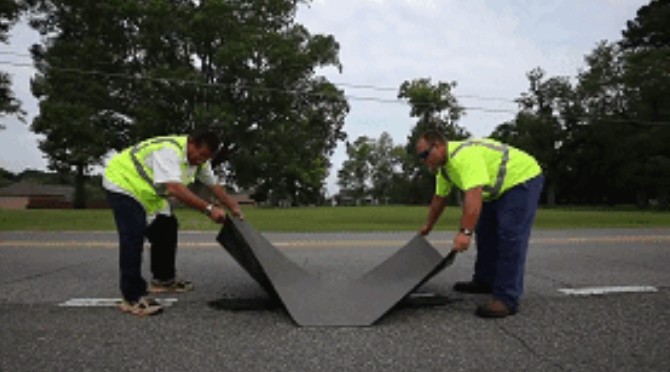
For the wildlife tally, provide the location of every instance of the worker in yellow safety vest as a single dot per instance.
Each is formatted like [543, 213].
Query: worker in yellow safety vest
[502, 187]
[139, 180]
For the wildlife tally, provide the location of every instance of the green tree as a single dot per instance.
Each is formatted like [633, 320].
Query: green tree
[113, 72]
[607, 138]
[354, 177]
[649, 29]
[402, 189]
[436, 108]
[604, 140]
[281, 122]
[76, 65]
[384, 164]
[625, 91]
[6, 177]
[9, 105]
[549, 112]
[646, 54]
[376, 168]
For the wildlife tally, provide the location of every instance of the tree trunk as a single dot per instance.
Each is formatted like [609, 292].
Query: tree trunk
[663, 199]
[642, 201]
[80, 188]
[551, 194]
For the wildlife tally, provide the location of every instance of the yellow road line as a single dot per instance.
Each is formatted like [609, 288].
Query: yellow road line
[84, 244]
[605, 239]
[339, 243]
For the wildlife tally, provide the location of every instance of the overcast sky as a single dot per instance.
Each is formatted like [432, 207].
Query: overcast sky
[486, 46]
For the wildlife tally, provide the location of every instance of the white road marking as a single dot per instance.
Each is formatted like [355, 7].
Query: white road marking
[107, 302]
[595, 291]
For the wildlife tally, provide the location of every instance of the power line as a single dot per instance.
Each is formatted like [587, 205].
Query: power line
[390, 89]
[262, 89]
[12, 53]
[297, 92]
[350, 85]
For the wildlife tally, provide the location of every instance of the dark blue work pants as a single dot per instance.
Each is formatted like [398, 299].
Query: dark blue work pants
[503, 232]
[131, 224]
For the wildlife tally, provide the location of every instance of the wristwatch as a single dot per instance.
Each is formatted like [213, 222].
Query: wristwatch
[466, 232]
[209, 208]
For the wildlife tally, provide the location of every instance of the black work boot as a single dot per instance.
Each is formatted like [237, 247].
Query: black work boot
[494, 309]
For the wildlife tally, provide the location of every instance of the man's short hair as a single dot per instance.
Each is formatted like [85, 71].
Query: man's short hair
[433, 136]
[207, 138]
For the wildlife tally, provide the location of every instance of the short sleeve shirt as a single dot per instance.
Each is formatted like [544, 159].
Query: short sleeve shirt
[465, 171]
[166, 165]
[494, 166]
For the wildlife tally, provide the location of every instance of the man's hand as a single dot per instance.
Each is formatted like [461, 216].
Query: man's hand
[237, 212]
[227, 201]
[461, 242]
[217, 215]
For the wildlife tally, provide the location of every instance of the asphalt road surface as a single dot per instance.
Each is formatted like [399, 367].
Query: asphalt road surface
[563, 324]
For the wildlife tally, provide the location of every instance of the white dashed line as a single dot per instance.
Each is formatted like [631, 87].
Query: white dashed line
[107, 302]
[596, 291]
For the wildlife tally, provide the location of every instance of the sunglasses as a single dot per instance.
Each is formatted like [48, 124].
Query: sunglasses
[423, 155]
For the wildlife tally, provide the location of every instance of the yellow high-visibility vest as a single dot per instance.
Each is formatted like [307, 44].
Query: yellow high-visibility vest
[129, 171]
[495, 166]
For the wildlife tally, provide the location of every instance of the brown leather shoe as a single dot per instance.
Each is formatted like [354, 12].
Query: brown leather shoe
[472, 287]
[494, 309]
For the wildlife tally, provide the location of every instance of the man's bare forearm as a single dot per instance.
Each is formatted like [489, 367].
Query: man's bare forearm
[186, 196]
[224, 198]
[472, 207]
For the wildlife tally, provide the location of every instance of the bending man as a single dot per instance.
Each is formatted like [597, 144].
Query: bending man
[138, 182]
[502, 187]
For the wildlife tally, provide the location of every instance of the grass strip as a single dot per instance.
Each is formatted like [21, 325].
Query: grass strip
[330, 219]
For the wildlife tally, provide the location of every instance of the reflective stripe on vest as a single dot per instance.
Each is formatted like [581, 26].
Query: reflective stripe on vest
[129, 171]
[502, 169]
[140, 168]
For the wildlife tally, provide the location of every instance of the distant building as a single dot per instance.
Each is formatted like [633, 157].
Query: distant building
[24, 195]
[242, 199]
[30, 195]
